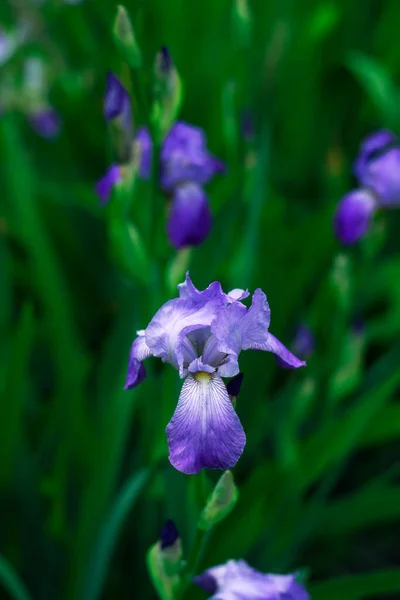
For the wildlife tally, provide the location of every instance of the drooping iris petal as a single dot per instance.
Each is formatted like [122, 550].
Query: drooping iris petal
[205, 431]
[166, 331]
[285, 358]
[382, 175]
[106, 183]
[184, 157]
[146, 148]
[136, 370]
[353, 215]
[190, 220]
[370, 148]
[237, 581]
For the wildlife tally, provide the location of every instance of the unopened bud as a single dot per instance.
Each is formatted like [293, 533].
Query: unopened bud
[242, 22]
[125, 39]
[167, 93]
[220, 503]
[164, 561]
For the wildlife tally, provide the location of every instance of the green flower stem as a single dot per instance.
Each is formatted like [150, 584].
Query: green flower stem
[196, 553]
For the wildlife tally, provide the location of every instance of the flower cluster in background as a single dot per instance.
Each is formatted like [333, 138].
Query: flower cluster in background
[377, 170]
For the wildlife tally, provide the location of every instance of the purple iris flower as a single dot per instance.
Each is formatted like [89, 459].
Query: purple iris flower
[117, 107]
[354, 214]
[377, 169]
[184, 157]
[105, 185]
[186, 165]
[201, 334]
[235, 580]
[190, 218]
[143, 138]
[117, 103]
[46, 122]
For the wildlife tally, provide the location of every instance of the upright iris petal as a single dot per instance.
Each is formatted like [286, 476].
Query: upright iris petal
[353, 215]
[184, 157]
[201, 334]
[190, 219]
[235, 580]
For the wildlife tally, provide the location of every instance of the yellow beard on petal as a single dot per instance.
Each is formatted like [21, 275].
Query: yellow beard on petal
[202, 377]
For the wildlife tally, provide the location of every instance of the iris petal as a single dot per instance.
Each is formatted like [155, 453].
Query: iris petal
[205, 431]
[136, 370]
[284, 357]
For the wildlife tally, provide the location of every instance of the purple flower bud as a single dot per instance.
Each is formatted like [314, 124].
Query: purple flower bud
[164, 60]
[247, 126]
[184, 157]
[378, 166]
[46, 122]
[106, 183]
[353, 215]
[146, 149]
[117, 103]
[169, 534]
[189, 221]
[304, 341]
[234, 385]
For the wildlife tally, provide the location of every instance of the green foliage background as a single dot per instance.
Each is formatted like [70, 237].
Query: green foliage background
[84, 477]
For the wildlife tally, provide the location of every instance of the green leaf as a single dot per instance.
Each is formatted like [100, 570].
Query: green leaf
[12, 409]
[357, 587]
[11, 581]
[378, 86]
[108, 535]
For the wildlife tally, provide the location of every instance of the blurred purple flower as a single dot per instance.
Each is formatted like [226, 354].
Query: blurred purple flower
[186, 165]
[117, 107]
[201, 334]
[190, 219]
[117, 104]
[235, 580]
[377, 169]
[184, 158]
[106, 183]
[304, 341]
[146, 149]
[353, 215]
[46, 122]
